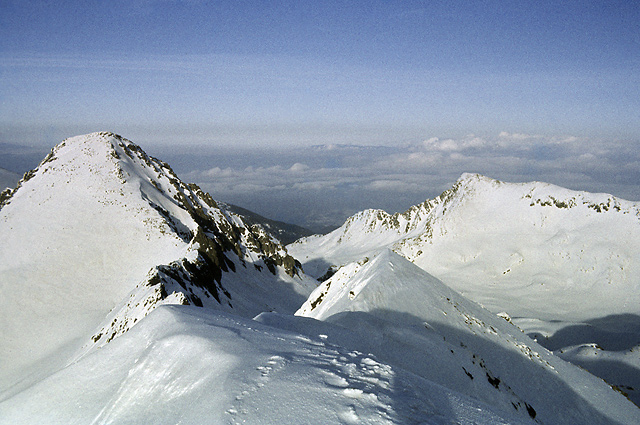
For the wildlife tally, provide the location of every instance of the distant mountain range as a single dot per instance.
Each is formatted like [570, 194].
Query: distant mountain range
[8, 179]
[524, 248]
[130, 296]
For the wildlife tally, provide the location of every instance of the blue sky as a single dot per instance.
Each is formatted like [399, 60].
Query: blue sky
[305, 71]
[517, 90]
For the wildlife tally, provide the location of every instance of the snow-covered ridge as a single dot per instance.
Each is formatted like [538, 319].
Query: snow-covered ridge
[382, 227]
[497, 242]
[553, 259]
[188, 365]
[546, 194]
[100, 234]
[409, 318]
[101, 237]
[367, 231]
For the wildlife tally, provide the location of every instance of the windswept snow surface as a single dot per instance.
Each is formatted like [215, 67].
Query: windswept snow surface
[99, 235]
[196, 366]
[411, 319]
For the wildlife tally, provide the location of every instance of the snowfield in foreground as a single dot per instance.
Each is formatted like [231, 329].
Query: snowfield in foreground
[192, 366]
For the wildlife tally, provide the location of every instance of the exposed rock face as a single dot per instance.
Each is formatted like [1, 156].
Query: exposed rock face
[217, 240]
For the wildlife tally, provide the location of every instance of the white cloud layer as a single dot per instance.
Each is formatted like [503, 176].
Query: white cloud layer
[320, 186]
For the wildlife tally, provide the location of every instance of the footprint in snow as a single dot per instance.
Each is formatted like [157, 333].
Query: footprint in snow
[353, 386]
[240, 406]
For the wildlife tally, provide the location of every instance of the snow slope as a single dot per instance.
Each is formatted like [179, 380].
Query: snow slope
[197, 366]
[562, 264]
[531, 249]
[100, 234]
[407, 317]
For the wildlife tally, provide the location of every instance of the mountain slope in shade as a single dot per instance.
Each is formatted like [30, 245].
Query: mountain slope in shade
[531, 249]
[8, 180]
[284, 232]
[100, 234]
[409, 318]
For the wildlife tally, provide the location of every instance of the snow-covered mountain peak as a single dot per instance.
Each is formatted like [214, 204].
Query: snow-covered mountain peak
[101, 237]
[542, 194]
[515, 247]
[558, 262]
[100, 234]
